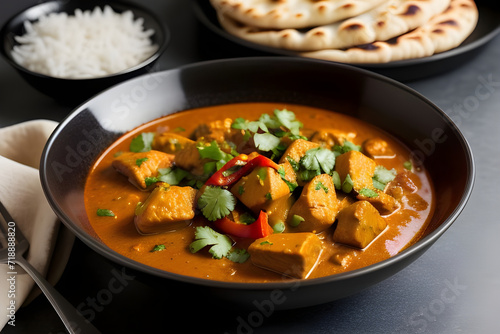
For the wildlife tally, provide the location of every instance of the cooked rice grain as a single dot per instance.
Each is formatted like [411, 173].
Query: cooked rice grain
[87, 44]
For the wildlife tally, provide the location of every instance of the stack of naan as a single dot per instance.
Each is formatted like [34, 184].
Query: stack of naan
[351, 31]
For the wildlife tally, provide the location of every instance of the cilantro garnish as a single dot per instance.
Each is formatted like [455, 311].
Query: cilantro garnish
[213, 152]
[266, 141]
[238, 255]
[347, 185]
[269, 197]
[368, 193]
[205, 236]
[158, 248]
[346, 147]
[382, 176]
[105, 213]
[221, 245]
[139, 162]
[172, 176]
[282, 173]
[408, 165]
[142, 143]
[336, 180]
[320, 185]
[216, 203]
[266, 243]
[318, 159]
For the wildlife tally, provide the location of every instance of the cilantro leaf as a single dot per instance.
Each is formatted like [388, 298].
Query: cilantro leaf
[205, 236]
[318, 159]
[287, 119]
[408, 165]
[142, 143]
[320, 185]
[139, 162]
[216, 203]
[346, 147]
[266, 141]
[382, 176]
[238, 255]
[172, 176]
[211, 151]
[347, 185]
[158, 248]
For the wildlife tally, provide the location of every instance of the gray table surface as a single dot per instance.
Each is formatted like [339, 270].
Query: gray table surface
[453, 288]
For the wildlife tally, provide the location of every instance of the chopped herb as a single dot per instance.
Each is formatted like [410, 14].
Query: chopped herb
[368, 193]
[320, 185]
[269, 197]
[266, 243]
[246, 218]
[105, 213]
[347, 185]
[408, 165]
[307, 175]
[382, 176]
[179, 129]
[216, 203]
[336, 180]
[150, 180]
[211, 151]
[158, 248]
[139, 162]
[279, 227]
[205, 236]
[291, 185]
[287, 119]
[296, 220]
[346, 147]
[238, 255]
[295, 164]
[241, 190]
[142, 143]
[266, 142]
[172, 176]
[262, 174]
[318, 159]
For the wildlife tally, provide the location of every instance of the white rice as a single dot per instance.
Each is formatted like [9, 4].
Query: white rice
[88, 44]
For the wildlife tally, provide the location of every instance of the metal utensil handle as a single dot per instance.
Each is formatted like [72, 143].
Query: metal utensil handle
[74, 322]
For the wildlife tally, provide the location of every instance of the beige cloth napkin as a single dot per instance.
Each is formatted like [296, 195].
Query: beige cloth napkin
[21, 193]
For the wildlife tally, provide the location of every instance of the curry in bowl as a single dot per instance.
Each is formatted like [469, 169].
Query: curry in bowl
[258, 192]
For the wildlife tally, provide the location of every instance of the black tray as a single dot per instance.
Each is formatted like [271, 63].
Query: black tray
[217, 43]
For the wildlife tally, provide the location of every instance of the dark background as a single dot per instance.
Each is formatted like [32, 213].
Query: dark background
[453, 288]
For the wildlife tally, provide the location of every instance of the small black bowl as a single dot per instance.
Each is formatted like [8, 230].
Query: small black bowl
[79, 140]
[77, 90]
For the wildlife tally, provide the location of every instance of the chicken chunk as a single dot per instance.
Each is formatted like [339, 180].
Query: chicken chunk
[384, 203]
[260, 188]
[290, 254]
[140, 166]
[358, 225]
[168, 208]
[359, 167]
[297, 149]
[317, 206]
[330, 137]
[189, 159]
[171, 142]
[378, 148]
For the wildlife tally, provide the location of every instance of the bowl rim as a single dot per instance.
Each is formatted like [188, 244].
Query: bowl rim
[410, 251]
[162, 46]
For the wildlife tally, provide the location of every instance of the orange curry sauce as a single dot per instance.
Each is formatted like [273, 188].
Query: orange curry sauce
[106, 188]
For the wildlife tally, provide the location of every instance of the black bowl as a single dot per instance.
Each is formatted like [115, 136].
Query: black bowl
[86, 132]
[77, 90]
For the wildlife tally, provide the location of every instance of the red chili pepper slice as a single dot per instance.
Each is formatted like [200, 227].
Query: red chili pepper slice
[219, 179]
[258, 229]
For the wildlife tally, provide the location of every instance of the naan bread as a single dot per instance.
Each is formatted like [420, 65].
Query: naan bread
[443, 32]
[282, 14]
[388, 20]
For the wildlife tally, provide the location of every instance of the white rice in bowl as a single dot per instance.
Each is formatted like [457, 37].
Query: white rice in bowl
[88, 44]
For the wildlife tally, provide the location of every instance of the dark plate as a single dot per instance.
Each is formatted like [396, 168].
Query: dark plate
[220, 43]
[80, 138]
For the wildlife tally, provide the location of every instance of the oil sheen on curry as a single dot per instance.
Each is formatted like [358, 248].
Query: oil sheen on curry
[258, 192]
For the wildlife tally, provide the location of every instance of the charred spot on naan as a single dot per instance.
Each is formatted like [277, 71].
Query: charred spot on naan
[411, 10]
